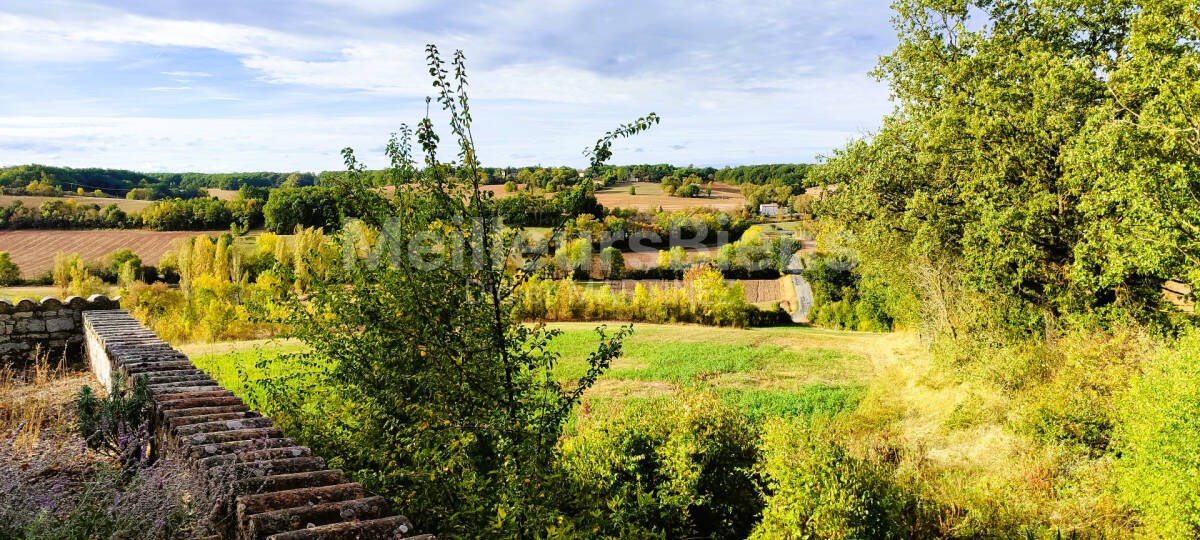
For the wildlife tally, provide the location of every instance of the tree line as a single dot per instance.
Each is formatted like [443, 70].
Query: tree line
[158, 185]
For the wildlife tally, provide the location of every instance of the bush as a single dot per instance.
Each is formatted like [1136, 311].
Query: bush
[704, 298]
[1159, 443]
[113, 262]
[10, 273]
[673, 468]
[72, 277]
[818, 490]
[1085, 373]
[188, 215]
[840, 298]
[117, 425]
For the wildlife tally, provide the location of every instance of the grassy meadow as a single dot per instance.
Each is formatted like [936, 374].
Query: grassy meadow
[787, 371]
[956, 441]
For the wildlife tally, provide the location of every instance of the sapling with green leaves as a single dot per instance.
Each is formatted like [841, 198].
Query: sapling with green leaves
[438, 396]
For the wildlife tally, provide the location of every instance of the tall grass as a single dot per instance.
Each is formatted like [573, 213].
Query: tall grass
[28, 399]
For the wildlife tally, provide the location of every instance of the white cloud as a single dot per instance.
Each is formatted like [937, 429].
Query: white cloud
[237, 39]
[377, 7]
[23, 40]
[187, 74]
[734, 81]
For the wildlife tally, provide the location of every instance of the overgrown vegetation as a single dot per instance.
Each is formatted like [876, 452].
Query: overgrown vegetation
[52, 487]
[1022, 209]
[117, 425]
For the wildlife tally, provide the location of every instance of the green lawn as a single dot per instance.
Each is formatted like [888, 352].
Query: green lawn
[790, 371]
[35, 293]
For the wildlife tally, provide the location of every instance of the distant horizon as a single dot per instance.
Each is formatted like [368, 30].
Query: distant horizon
[275, 85]
[298, 171]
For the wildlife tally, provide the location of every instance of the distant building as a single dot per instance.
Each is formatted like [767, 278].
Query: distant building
[771, 209]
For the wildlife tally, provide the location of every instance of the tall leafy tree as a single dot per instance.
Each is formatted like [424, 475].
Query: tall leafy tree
[1007, 169]
[1138, 159]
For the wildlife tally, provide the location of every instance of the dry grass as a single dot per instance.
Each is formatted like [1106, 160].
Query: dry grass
[649, 259]
[34, 401]
[650, 197]
[959, 442]
[199, 349]
[787, 293]
[222, 194]
[33, 250]
[33, 201]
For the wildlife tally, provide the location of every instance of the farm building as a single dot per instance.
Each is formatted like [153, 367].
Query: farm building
[771, 209]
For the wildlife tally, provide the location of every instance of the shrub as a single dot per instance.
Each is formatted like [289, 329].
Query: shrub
[113, 262]
[449, 408]
[1086, 373]
[188, 215]
[117, 425]
[10, 273]
[159, 502]
[72, 277]
[1158, 438]
[818, 490]
[840, 298]
[673, 468]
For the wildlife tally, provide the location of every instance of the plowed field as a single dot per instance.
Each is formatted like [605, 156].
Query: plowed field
[33, 250]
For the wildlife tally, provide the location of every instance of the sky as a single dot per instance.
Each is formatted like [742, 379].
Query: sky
[284, 85]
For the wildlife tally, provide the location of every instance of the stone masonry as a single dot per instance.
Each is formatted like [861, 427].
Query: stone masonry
[52, 326]
[266, 485]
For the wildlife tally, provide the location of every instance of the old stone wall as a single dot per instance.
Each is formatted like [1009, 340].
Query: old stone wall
[265, 484]
[51, 326]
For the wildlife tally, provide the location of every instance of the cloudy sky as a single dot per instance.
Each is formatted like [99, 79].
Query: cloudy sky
[236, 85]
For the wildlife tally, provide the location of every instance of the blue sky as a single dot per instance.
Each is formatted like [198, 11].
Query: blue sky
[236, 85]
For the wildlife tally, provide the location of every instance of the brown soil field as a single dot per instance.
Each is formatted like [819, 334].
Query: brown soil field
[33, 250]
[33, 201]
[643, 260]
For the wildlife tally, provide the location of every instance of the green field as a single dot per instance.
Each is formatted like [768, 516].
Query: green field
[770, 371]
[36, 293]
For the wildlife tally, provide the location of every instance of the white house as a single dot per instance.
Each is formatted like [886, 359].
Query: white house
[771, 209]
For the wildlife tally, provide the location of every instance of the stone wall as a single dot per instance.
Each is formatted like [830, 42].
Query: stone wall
[265, 484]
[53, 326]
